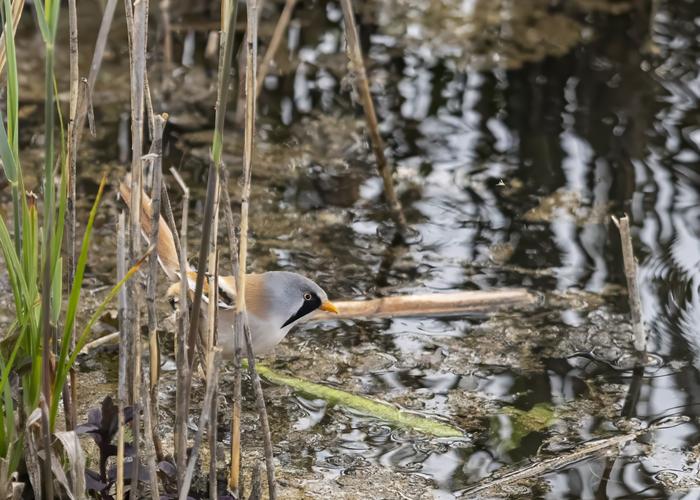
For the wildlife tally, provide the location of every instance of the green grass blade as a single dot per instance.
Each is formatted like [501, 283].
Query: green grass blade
[76, 287]
[62, 368]
[8, 158]
[41, 20]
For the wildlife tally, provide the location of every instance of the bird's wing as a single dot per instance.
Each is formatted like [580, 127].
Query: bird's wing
[167, 254]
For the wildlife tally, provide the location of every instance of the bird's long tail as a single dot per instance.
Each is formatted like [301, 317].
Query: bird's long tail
[167, 254]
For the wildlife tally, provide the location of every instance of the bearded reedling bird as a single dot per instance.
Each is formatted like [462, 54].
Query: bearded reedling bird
[275, 301]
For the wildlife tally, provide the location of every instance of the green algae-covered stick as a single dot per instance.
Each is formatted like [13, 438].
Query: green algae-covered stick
[383, 411]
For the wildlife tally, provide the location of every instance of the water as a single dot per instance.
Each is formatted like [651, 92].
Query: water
[513, 146]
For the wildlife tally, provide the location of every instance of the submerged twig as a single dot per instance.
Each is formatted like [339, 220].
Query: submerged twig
[630, 263]
[355, 54]
[551, 464]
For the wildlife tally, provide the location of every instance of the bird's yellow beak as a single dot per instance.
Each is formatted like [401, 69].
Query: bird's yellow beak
[329, 307]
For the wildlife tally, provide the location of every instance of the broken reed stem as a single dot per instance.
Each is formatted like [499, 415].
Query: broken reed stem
[86, 104]
[275, 41]
[153, 344]
[123, 350]
[358, 65]
[241, 321]
[185, 210]
[640, 336]
[184, 374]
[212, 370]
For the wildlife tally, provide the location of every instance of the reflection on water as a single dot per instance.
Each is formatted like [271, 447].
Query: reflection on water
[611, 126]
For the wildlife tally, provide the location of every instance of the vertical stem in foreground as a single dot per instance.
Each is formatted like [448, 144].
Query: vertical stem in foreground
[184, 374]
[70, 391]
[123, 354]
[355, 55]
[640, 337]
[151, 413]
[241, 322]
[137, 62]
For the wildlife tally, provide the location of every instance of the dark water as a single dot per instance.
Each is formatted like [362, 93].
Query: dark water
[605, 126]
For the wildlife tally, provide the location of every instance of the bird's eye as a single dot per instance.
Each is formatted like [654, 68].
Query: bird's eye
[307, 296]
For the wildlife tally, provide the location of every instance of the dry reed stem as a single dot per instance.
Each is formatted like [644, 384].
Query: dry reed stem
[251, 52]
[355, 55]
[211, 339]
[184, 374]
[70, 390]
[123, 351]
[434, 304]
[137, 65]
[234, 473]
[159, 122]
[275, 41]
[635, 302]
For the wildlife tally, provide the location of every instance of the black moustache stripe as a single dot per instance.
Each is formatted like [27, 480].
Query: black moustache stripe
[307, 307]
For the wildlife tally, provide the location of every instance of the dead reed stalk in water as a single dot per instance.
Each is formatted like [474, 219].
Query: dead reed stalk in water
[630, 263]
[274, 45]
[358, 65]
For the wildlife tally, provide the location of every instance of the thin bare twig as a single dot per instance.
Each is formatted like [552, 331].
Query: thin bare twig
[358, 66]
[630, 263]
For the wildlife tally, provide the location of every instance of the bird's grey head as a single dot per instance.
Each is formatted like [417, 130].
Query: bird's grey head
[293, 296]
